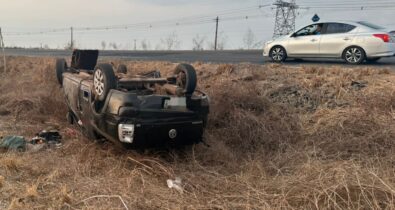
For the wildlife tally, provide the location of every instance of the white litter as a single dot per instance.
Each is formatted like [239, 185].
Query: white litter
[175, 184]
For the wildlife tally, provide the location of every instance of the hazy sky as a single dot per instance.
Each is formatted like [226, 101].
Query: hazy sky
[182, 17]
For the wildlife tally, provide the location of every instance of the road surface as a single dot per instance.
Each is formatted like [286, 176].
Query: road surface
[227, 56]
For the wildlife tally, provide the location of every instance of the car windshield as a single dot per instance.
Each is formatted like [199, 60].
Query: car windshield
[371, 25]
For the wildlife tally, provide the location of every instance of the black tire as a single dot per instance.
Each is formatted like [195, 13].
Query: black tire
[61, 67]
[354, 55]
[186, 78]
[103, 81]
[278, 54]
[372, 60]
[122, 69]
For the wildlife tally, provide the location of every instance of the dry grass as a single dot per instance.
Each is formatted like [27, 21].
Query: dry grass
[280, 138]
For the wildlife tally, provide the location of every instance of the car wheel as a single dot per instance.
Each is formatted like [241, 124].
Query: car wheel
[61, 67]
[103, 81]
[354, 55]
[186, 78]
[122, 69]
[278, 54]
[372, 60]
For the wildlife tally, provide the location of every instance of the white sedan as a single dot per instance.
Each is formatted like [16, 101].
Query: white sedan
[354, 42]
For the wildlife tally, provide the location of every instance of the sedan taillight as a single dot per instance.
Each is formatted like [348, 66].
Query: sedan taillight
[384, 37]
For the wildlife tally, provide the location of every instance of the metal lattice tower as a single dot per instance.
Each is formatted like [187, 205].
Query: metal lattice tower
[285, 17]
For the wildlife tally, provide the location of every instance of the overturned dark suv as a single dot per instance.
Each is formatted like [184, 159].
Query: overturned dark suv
[137, 111]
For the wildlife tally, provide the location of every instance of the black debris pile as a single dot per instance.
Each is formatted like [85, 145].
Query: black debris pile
[44, 139]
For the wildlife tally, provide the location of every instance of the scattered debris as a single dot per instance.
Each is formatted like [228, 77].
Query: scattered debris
[40, 141]
[294, 96]
[176, 184]
[49, 137]
[16, 143]
[359, 85]
[248, 77]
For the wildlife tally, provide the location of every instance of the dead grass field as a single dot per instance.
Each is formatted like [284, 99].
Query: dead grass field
[280, 138]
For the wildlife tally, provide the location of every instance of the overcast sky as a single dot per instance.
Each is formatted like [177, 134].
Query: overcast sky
[181, 17]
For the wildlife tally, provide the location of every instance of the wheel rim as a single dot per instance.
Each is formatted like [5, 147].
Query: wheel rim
[181, 79]
[277, 54]
[98, 82]
[353, 55]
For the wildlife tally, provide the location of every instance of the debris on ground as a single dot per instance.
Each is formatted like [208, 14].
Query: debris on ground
[41, 140]
[16, 143]
[49, 137]
[294, 96]
[175, 184]
[358, 85]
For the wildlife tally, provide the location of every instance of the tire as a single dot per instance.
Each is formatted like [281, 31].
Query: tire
[372, 60]
[278, 54]
[354, 55]
[103, 81]
[122, 69]
[61, 67]
[186, 78]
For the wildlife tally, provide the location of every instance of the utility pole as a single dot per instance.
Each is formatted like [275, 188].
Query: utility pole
[216, 33]
[72, 39]
[135, 45]
[2, 47]
[285, 17]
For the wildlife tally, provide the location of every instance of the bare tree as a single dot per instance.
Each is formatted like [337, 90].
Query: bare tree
[103, 45]
[198, 42]
[145, 45]
[249, 40]
[171, 42]
[113, 45]
[221, 42]
[159, 46]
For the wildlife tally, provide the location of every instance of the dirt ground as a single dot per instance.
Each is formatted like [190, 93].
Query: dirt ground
[280, 137]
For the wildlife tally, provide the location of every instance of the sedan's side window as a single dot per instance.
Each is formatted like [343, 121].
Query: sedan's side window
[336, 28]
[314, 29]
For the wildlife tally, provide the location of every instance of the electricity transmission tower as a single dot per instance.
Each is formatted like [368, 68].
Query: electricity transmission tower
[285, 17]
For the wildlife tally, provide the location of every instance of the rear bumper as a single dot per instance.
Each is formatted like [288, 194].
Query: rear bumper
[382, 54]
[384, 50]
[155, 133]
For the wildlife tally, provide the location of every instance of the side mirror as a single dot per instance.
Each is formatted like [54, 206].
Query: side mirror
[293, 35]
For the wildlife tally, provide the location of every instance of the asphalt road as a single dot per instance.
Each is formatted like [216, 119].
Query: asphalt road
[226, 56]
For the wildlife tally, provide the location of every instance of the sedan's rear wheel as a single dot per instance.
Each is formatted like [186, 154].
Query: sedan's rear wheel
[354, 55]
[278, 54]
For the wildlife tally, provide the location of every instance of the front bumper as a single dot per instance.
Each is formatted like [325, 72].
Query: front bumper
[266, 50]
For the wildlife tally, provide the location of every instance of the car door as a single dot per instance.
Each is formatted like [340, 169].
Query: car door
[305, 42]
[336, 37]
[84, 103]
